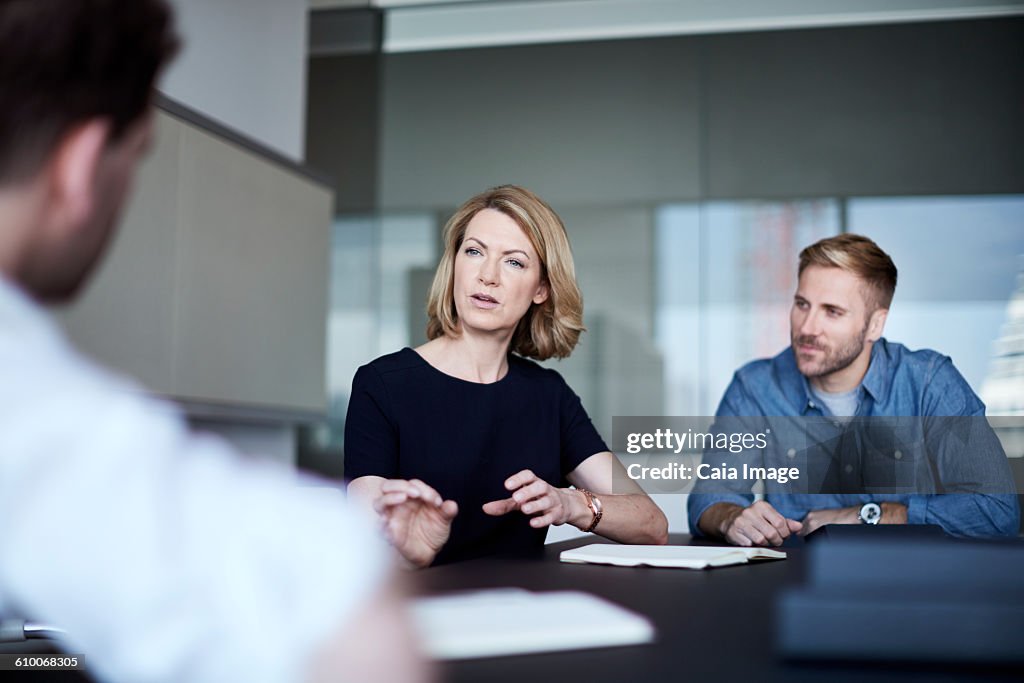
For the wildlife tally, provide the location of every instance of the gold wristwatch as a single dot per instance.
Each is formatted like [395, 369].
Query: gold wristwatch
[594, 503]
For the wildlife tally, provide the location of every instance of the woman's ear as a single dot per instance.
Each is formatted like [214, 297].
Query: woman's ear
[542, 292]
[74, 170]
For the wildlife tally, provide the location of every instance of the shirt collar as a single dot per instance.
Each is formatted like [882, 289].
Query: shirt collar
[878, 379]
[793, 384]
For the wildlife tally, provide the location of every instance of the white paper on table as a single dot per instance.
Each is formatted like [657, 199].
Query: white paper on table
[676, 556]
[507, 621]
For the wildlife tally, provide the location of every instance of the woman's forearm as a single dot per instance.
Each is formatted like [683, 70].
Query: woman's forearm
[626, 518]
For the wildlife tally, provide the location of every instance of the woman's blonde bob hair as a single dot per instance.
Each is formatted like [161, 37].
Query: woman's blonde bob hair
[550, 329]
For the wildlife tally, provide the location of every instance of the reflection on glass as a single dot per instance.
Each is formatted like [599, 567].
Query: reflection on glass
[958, 261]
[1003, 391]
[737, 308]
[679, 296]
[372, 260]
[960, 289]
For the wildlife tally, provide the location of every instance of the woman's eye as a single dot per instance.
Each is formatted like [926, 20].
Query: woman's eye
[514, 263]
[472, 251]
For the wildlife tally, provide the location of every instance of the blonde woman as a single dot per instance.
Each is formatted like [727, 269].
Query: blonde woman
[464, 446]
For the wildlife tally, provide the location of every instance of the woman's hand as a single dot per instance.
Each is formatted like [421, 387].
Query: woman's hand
[415, 519]
[547, 504]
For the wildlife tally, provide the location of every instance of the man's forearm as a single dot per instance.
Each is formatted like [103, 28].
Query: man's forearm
[893, 513]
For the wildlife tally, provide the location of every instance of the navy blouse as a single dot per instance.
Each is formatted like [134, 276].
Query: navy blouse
[408, 420]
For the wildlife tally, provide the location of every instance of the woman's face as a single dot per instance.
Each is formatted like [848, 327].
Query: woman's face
[497, 274]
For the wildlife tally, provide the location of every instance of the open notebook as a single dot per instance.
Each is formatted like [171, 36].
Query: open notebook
[509, 621]
[678, 556]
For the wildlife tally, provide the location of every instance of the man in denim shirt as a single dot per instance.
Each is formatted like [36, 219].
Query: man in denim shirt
[840, 371]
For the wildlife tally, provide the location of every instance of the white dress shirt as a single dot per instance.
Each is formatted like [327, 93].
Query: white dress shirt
[164, 555]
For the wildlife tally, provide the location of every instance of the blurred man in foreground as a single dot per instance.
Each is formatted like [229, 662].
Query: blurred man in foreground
[164, 555]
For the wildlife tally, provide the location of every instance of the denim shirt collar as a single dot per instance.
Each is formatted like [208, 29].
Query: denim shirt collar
[877, 381]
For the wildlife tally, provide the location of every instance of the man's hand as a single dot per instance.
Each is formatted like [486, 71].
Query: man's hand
[758, 524]
[534, 496]
[816, 519]
[415, 519]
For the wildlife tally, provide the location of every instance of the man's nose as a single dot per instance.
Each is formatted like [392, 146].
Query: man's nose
[811, 325]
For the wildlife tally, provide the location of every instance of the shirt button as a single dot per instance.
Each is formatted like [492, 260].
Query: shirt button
[849, 468]
[898, 455]
[791, 452]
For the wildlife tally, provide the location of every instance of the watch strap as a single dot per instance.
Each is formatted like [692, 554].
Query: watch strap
[594, 503]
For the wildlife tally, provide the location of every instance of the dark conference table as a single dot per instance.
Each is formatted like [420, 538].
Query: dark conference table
[712, 625]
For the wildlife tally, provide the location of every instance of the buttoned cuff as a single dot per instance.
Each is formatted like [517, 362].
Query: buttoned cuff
[917, 509]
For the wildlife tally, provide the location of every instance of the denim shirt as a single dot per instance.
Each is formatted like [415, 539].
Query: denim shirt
[898, 383]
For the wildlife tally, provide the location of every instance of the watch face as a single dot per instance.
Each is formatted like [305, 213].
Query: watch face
[871, 513]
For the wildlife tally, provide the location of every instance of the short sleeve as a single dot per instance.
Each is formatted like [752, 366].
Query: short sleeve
[580, 439]
[371, 436]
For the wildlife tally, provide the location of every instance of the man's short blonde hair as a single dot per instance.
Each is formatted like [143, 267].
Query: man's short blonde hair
[861, 257]
[550, 329]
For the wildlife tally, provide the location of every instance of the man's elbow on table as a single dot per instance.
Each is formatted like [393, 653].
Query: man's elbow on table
[1004, 514]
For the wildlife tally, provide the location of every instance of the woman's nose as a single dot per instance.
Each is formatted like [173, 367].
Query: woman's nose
[489, 272]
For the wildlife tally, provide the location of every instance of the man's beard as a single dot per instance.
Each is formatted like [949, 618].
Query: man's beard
[835, 359]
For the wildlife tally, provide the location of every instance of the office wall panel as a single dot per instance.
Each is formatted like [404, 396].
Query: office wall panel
[882, 110]
[253, 264]
[614, 121]
[216, 289]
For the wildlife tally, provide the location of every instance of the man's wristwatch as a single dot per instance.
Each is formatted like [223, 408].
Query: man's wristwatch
[594, 503]
[870, 513]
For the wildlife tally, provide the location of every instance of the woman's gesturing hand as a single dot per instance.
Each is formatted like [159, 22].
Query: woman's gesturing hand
[534, 496]
[415, 519]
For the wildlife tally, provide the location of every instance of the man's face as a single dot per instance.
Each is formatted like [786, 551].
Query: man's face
[828, 322]
[69, 263]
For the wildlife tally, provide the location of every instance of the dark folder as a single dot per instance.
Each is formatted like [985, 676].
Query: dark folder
[921, 599]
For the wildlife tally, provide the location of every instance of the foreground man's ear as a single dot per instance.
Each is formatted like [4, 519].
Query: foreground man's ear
[73, 173]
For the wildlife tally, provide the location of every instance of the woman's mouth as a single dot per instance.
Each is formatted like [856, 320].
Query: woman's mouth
[481, 300]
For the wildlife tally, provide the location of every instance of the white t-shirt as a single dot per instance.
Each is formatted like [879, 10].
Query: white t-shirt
[165, 555]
